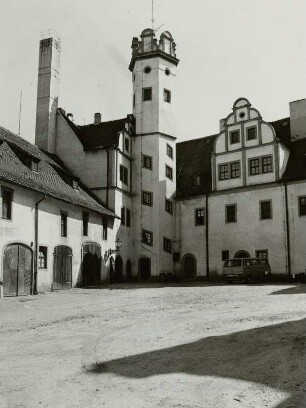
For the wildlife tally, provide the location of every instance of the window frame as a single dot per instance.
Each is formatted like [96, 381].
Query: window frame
[258, 251]
[104, 227]
[45, 258]
[169, 150]
[10, 192]
[225, 170]
[85, 223]
[198, 218]
[167, 95]
[231, 132]
[126, 144]
[64, 228]
[142, 198]
[124, 174]
[144, 157]
[144, 90]
[247, 133]
[144, 241]
[169, 206]
[226, 213]
[301, 213]
[261, 202]
[170, 170]
[260, 164]
[167, 245]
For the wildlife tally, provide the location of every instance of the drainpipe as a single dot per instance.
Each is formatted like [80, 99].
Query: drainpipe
[287, 229]
[34, 286]
[207, 243]
[107, 177]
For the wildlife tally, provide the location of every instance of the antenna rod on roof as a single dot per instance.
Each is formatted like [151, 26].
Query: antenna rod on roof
[153, 15]
[19, 113]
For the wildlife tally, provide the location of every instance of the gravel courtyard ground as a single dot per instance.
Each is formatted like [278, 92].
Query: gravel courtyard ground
[136, 346]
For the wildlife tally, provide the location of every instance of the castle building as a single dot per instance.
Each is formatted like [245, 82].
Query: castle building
[121, 200]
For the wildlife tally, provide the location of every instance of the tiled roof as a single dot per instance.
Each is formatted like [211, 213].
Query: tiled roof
[102, 135]
[52, 178]
[193, 158]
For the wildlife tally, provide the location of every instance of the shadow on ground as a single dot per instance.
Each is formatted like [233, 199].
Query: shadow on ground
[273, 356]
[294, 290]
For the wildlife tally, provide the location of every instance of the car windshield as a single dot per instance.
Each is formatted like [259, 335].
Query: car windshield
[233, 262]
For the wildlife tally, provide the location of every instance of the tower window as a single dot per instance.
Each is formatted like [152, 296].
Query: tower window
[126, 144]
[169, 151]
[124, 174]
[167, 244]
[147, 237]
[167, 95]
[169, 172]
[167, 71]
[147, 198]
[147, 94]
[147, 162]
[168, 206]
[147, 70]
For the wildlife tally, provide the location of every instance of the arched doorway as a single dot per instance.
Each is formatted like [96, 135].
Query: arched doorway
[17, 270]
[189, 267]
[144, 268]
[128, 270]
[91, 264]
[62, 268]
[242, 254]
[118, 269]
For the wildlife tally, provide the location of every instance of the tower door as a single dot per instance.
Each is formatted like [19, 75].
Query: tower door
[17, 270]
[62, 268]
[91, 264]
[144, 268]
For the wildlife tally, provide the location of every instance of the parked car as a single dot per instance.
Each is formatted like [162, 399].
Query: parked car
[246, 270]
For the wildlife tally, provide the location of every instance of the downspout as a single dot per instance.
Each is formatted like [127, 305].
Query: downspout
[287, 229]
[107, 176]
[34, 287]
[207, 244]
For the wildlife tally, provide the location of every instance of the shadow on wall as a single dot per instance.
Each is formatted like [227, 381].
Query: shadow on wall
[273, 356]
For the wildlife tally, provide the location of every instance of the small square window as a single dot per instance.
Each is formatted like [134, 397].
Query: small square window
[63, 224]
[235, 137]
[124, 174]
[225, 255]
[126, 144]
[199, 216]
[167, 95]
[262, 253]
[265, 210]
[104, 228]
[169, 172]
[251, 133]
[7, 198]
[147, 162]
[147, 198]
[302, 205]
[230, 213]
[147, 237]
[147, 94]
[85, 216]
[168, 206]
[169, 151]
[167, 244]
[42, 257]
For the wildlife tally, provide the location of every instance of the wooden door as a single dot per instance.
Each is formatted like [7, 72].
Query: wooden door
[62, 268]
[91, 264]
[144, 268]
[17, 270]
[189, 267]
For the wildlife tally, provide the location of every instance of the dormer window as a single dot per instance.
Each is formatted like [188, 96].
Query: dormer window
[75, 184]
[234, 137]
[34, 165]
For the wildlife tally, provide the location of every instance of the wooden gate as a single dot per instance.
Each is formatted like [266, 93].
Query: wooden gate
[62, 268]
[17, 270]
[91, 265]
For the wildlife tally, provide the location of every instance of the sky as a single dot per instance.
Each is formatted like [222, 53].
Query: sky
[227, 49]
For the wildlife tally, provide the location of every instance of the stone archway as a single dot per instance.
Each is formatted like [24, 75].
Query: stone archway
[242, 254]
[189, 266]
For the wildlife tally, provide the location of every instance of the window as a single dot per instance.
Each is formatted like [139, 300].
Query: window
[199, 216]
[262, 253]
[167, 95]
[251, 133]
[235, 169]
[7, 196]
[302, 205]
[104, 228]
[85, 223]
[147, 70]
[260, 165]
[147, 237]
[230, 213]
[265, 210]
[229, 170]
[168, 206]
[128, 217]
[122, 216]
[223, 172]
[169, 151]
[124, 174]
[147, 94]
[147, 198]
[75, 184]
[169, 173]
[147, 162]
[167, 245]
[126, 144]
[225, 255]
[234, 137]
[34, 165]
[42, 257]
[63, 224]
